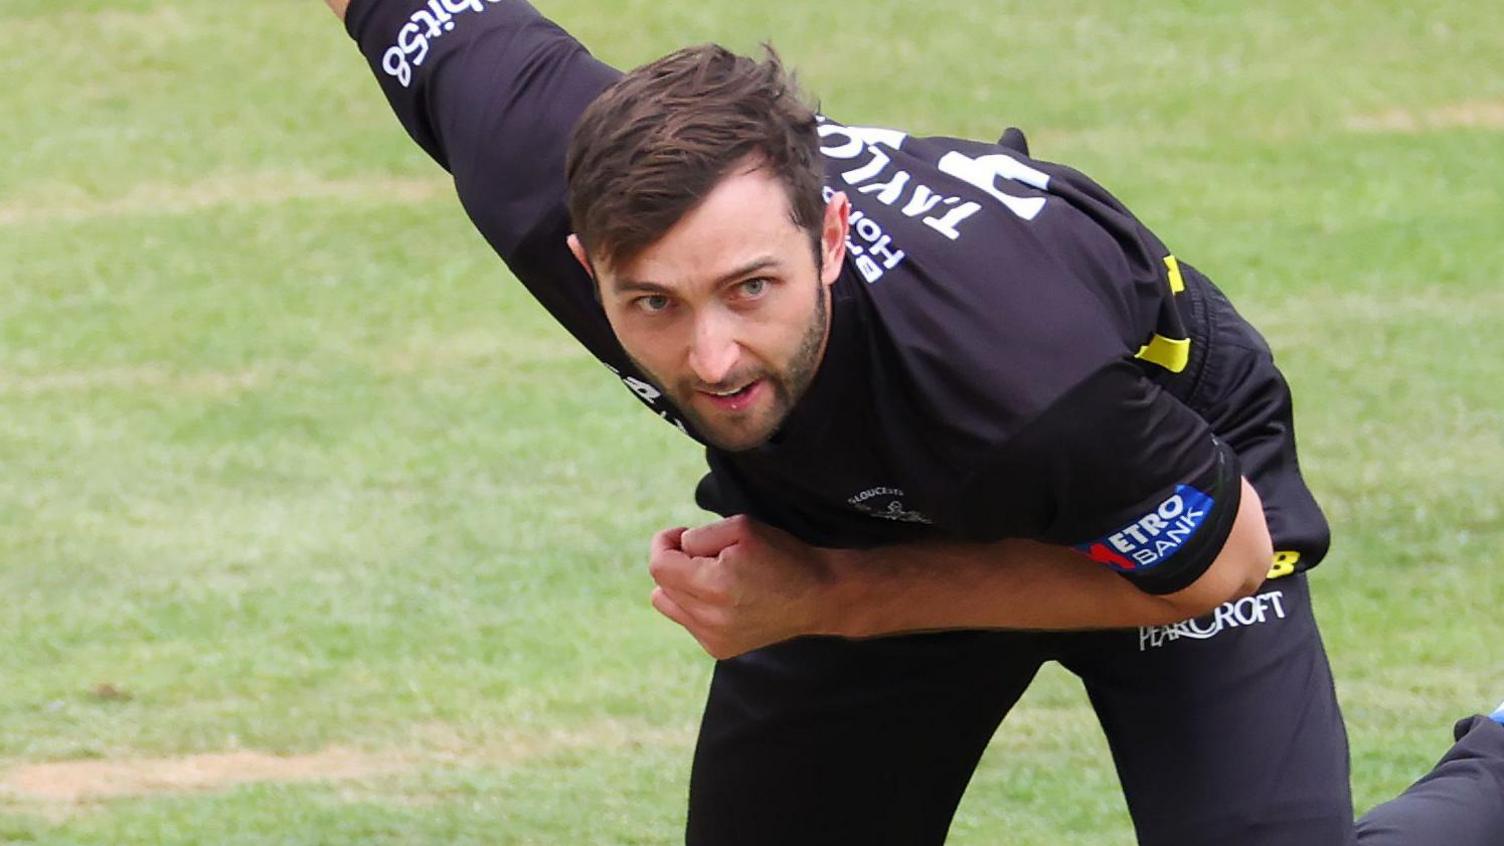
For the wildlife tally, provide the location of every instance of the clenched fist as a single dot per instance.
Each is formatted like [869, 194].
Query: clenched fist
[737, 585]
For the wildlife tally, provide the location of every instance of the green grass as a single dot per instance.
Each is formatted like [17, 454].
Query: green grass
[290, 461]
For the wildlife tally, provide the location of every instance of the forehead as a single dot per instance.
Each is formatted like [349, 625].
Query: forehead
[745, 217]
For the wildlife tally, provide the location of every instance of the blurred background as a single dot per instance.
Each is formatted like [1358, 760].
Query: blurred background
[315, 529]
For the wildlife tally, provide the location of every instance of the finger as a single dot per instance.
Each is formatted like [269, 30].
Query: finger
[670, 608]
[665, 540]
[675, 570]
[708, 540]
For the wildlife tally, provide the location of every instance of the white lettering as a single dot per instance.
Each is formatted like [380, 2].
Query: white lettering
[394, 62]
[847, 143]
[857, 138]
[412, 41]
[1247, 611]
[983, 172]
[872, 492]
[1171, 507]
[870, 169]
[947, 225]
[923, 200]
[888, 192]
[894, 510]
[1193, 629]
[891, 258]
[418, 32]
[846, 150]
[1224, 618]
[641, 388]
[1182, 529]
[869, 230]
[434, 31]
[1279, 607]
[1161, 532]
[442, 15]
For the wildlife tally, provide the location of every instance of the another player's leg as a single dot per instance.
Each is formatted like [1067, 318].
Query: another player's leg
[830, 741]
[1459, 803]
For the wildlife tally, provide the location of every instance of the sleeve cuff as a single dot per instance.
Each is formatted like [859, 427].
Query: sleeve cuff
[1182, 567]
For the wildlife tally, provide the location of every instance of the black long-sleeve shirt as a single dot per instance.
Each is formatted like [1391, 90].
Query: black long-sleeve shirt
[1003, 331]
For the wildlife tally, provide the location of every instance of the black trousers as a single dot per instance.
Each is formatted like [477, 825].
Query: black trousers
[1225, 730]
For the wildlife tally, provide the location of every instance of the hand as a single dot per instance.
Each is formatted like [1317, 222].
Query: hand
[737, 585]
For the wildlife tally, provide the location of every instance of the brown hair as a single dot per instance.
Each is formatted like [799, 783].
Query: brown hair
[657, 142]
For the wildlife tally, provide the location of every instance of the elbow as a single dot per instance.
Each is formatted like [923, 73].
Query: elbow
[1246, 574]
[1251, 545]
[1239, 569]
[1254, 575]
[1228, 581]
[1245, 579]
[1233, 581]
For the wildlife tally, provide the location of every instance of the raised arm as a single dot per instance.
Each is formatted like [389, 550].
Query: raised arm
[491, 90]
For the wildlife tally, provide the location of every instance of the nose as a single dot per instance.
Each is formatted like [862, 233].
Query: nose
[714, 350]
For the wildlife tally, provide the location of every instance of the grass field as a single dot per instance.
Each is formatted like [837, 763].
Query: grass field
[315, 530]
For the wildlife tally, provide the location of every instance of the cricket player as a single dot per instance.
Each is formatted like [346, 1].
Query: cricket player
[963, 414]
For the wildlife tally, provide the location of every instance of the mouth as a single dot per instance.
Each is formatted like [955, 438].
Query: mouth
[735, 399]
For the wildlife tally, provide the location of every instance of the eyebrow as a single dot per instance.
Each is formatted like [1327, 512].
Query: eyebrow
[644, 286]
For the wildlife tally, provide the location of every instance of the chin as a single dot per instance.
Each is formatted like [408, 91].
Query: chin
[738, 438]
[739, 444]
[740, 433]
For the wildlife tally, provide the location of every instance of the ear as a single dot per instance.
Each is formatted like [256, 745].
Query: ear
[579, 253]
[833, 237]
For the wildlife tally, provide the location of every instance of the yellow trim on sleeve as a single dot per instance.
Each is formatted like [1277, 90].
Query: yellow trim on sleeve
[1177, 282]
[1173, 354]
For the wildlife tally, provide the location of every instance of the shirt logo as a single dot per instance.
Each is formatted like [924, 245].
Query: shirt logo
[427, 24]
[1149, 540]
[886, 503]
[1248, 611]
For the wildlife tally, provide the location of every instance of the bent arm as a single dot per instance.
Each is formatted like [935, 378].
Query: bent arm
[739, 584]
[1019, 584]
[338, 6]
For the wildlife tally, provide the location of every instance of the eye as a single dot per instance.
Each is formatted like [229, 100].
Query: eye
[753, 288]
[652, 303]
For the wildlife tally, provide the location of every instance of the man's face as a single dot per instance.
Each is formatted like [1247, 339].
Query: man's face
[728, 311]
